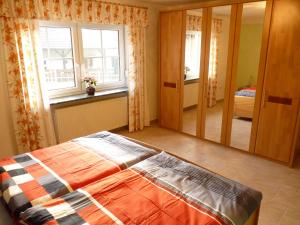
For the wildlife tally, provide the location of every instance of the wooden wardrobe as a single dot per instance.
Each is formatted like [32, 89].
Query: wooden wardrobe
[276, 114]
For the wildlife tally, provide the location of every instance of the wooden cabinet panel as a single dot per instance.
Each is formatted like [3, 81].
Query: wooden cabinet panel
[283, 64]
[279, 112]
[172, 27]
[276, 131]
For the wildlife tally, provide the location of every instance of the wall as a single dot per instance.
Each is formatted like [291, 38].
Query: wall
[191, 93]
[115, 111]
[89, 118]
[152, 61]
[249, 54]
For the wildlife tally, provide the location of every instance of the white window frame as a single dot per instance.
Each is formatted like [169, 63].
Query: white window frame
[121, 44]
[76, 56]
[79, 66]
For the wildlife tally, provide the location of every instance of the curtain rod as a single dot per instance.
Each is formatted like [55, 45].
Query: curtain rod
[121, 4]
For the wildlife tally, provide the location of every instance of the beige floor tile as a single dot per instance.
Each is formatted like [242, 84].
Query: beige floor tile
[279, 184]
[241, 128]
[291, 217]
[271, 214]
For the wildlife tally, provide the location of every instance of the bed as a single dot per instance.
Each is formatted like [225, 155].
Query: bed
[159, 190]
[244, 100]
[33, 178]
[156, 188]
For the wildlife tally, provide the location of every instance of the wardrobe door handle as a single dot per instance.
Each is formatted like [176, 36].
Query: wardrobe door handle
[280, 100]
[170, 84]
[276, 99]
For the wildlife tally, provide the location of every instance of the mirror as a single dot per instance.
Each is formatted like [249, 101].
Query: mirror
[219, 41]
[247, 72]
[192, 70]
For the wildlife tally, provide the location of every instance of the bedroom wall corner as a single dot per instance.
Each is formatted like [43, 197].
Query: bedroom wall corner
[151, 51]
[152, 61]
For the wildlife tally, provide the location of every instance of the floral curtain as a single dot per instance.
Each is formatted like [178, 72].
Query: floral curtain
[32, 123]
[76, 10]
[213, 63]
[193, 22]
[31, 115]
[138, 105]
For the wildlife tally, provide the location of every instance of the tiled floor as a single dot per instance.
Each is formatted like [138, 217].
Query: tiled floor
[241, 128]
[279, 184]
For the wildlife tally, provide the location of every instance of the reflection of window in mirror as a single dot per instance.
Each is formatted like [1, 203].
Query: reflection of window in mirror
[193, 44]
[215, 92]
[192, 54]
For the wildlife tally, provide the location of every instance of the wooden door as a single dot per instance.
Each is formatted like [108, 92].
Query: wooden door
[279, 110]
[172, 33]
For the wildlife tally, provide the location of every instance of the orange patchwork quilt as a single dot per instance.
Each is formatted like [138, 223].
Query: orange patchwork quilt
[160, 190]
[33, 178]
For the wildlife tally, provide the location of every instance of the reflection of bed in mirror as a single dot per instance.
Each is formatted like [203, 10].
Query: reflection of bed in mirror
[244, 100]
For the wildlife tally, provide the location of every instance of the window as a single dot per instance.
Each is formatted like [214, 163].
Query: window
[58, 57]
[73, 51]
[192, 54]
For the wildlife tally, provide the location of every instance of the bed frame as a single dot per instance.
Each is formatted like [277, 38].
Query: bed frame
[243, 106]
[253, 219]
[6, 219]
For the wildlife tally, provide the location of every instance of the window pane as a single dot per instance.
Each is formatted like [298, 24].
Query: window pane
[92, 53]
[110, 38]
[91, 43]
[91, 38]
[58, 57]
[101, 54]
[94, 68]
[111, 52]
[112, 72]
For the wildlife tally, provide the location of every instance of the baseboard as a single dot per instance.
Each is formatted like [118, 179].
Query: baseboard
[152, 122]
[119, 129]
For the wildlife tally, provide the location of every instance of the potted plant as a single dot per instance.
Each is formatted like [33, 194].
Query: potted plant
[90, 83]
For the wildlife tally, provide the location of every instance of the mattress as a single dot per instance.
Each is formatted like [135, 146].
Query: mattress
[32, 178]
[159, 190]
[246, 92]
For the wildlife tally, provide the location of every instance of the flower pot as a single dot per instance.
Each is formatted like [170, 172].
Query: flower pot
[90, 90]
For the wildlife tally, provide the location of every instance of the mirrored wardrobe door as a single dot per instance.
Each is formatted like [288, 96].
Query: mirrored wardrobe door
[245, 76]
[217, 72]
[193, 46]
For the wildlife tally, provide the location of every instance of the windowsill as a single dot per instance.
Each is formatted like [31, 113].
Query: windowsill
[191, 81]
[85, 98]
